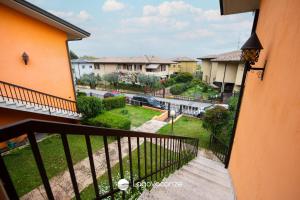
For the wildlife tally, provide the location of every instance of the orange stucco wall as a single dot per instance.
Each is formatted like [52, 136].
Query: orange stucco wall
[265, 161]
[48, 69]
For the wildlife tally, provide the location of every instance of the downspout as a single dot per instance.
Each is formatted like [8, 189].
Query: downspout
[247, 65]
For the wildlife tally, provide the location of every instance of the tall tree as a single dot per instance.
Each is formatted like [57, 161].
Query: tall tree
[149, 82]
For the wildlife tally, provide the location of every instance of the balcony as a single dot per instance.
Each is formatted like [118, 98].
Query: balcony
[25, 99]
[150, 157]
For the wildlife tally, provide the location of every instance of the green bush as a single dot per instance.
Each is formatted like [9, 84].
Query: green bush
[110, 120]
[114, 102]
[80, 94]
[89, 106]
[184, 77]
[179, 88]
[216, 119]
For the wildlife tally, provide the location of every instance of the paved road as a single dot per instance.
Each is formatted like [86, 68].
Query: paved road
[172, 101]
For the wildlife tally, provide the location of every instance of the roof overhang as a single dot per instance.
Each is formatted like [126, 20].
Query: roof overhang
[238, 6]
[73, 32]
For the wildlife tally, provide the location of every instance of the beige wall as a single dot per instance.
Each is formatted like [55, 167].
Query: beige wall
[230, 74]
[206, 68]
[190, 67]
[239, 74]
[110, 68]
[265, 161]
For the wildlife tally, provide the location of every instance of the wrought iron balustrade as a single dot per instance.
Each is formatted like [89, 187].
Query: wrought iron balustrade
[28, 97]
[166, 153]
[219, 148]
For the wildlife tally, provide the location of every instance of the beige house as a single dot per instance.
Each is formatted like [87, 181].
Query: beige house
[223, 70]
[184, 64]
[130, 67]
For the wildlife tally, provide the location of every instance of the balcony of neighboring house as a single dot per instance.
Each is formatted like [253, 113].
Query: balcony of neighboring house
[15, 97]
[157, 70]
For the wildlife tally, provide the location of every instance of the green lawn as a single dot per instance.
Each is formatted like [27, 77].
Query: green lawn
[196, 91]
[22, 167]
[137, 115]
[189, 127]
[89, 193]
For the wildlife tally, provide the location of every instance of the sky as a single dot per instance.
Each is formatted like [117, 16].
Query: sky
[166, 29]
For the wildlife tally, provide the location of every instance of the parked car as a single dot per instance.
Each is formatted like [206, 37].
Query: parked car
[112, 94]
[202, 111]
[147, 101]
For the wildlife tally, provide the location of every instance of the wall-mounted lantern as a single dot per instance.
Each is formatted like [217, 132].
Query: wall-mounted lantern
[25, 58]
[250, 54]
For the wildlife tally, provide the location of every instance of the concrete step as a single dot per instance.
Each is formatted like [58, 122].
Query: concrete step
[200, 179]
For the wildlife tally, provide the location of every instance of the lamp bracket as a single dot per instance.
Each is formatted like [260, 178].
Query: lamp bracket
[261, 70]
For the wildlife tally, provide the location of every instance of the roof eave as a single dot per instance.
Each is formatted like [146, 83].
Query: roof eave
[238, 6]
[73, 32]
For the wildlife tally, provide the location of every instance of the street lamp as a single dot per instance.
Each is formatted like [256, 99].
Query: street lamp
[172, 114]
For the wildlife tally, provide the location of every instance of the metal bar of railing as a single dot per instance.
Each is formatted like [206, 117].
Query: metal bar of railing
[108, 166]
[130, 161]
[40, 165]
[120, 162]
[145, 156]
[92, 165]
[151, 164]
[70, 165]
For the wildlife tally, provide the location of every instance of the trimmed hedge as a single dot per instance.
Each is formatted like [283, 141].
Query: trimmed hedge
[114, 102]
[89, 106]
[110, 120]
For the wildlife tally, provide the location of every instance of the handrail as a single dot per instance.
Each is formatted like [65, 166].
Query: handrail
[22, 94]
[219, 148]
[37, 91]
[174, 152]
[33, 125]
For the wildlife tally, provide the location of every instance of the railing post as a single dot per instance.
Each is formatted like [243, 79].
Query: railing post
[169, 109]
[40, 165]
[179, 159]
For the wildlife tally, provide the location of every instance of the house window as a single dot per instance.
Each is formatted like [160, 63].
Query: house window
[163, 68]
[97, 66]
[91, 67]
[83, 66]
[119, 67]
[124, 67]
[137, 67]
[129, 67]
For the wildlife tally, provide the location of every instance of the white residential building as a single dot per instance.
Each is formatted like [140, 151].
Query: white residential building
[81, 67]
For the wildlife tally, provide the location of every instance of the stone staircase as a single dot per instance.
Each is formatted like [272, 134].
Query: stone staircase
[39, 109]
[200, 179]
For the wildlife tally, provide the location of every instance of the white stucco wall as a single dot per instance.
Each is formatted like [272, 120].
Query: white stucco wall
[79, 69]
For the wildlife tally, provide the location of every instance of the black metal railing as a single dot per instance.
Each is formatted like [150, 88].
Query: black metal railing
[28, 97]
[166, 153]
[219, 148]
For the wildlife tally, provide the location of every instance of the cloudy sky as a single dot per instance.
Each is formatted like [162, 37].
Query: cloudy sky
[155, 27]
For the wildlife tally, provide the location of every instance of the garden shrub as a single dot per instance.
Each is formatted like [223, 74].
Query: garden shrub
[89, 106]
[179, 88]
[216, 119]
[184, 77]
[80, 94]
[110, 120]
[114, 102]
